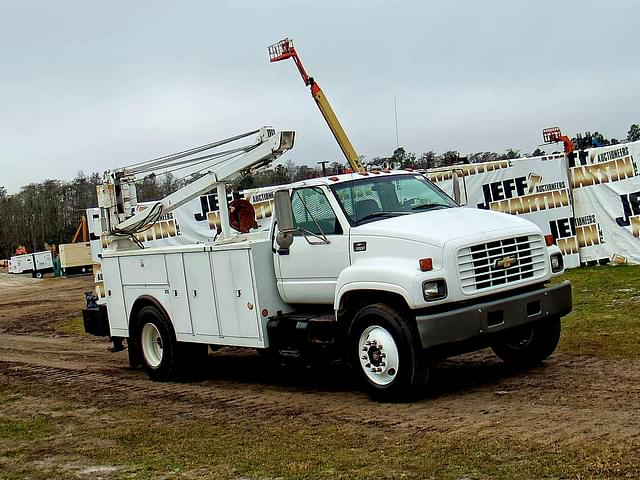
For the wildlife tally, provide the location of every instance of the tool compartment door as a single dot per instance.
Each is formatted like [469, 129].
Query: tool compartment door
[201, 294]
[179, 294]
[143, 270]
[236, 297]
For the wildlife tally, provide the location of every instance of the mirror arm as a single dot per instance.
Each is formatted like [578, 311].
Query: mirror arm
[306, 234]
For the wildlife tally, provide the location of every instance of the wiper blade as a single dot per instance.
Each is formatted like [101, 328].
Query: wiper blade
[381, 214]
[430, 206]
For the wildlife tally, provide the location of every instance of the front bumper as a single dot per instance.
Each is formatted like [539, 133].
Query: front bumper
[486, 318]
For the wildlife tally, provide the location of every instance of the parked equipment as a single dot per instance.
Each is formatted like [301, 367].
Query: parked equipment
[554, 135]
[381, 270]
[21, 263]
[38, 263]
[75, 257]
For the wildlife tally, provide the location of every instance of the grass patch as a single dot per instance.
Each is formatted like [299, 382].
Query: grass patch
[16, 430]
[8, 396]
[71, 326]
[604, 319]
[296, 450]
[144, 442]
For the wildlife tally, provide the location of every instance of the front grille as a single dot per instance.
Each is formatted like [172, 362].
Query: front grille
[494, 264]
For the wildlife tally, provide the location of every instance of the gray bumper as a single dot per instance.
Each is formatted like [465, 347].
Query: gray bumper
[482, 319]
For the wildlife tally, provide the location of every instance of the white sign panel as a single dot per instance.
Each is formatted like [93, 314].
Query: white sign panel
[606, 191]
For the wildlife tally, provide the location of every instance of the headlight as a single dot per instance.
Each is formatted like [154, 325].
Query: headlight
[434, 290]
[556, 263]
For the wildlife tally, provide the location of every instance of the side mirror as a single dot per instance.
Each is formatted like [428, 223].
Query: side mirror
[456, 186]
[459, 187]
[284, 216]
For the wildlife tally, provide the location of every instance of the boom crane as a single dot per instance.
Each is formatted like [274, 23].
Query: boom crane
[284, 50]
[117, 196]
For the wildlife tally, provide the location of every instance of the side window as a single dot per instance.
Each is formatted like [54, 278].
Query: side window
[311, 210]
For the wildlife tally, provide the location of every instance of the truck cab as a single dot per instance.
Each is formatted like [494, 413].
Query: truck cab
[410, 274]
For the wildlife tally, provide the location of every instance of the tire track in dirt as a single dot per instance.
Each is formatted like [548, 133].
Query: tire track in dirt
[571, 399]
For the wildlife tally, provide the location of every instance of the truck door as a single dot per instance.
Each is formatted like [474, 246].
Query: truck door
[320, 250]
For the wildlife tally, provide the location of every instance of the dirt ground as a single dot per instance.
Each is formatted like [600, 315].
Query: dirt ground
[572, 401]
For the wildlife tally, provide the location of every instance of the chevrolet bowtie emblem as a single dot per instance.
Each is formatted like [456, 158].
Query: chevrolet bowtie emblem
[505, 262]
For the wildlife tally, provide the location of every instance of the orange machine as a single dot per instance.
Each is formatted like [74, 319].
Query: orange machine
[554, 135]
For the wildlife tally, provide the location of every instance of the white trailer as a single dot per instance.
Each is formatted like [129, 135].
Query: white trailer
[383, 271]
[21, 263]
[38, 263]
[42, 263]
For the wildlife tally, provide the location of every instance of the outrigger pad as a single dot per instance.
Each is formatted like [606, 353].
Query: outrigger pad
[118, 345]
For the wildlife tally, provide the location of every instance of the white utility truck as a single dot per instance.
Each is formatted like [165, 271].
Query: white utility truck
[381, 270]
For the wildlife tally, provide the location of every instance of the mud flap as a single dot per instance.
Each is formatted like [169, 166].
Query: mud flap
[96, 321]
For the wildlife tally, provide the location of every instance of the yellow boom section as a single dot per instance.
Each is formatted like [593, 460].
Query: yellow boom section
[337, 130]
[283, 50]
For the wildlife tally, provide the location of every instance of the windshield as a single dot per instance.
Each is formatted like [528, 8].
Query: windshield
[374, 198]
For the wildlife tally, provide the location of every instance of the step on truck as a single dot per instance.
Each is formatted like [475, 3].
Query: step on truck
[379, 270]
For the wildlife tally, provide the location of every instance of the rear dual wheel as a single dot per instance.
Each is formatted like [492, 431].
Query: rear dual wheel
[386, 354]
[156, 348]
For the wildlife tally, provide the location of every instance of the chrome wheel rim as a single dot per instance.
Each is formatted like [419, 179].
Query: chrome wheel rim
[152, 345]
[379, 356]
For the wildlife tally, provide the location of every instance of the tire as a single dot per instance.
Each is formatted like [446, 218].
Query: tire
[529, 345]
[157, 346]
[133, 352]
[386, 354]
[39, 275]
[156, 349]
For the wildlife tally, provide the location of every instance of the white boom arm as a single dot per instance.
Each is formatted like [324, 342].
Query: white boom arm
[271, 145]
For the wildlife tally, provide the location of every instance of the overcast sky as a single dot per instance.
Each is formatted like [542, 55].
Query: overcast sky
[96, 85]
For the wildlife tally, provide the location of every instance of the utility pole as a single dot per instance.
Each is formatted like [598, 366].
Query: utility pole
[324, 167]
[395, 114]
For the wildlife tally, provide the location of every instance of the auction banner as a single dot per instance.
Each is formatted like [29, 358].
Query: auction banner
[606, 192]
[536, 188]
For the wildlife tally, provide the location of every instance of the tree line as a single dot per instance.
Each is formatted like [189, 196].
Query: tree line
[50, 211]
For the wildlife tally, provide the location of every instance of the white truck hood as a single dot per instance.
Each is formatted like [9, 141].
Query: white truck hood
[439, 226]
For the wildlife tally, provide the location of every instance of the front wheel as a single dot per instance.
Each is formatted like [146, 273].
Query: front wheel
[530, 344]
[386, 354]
